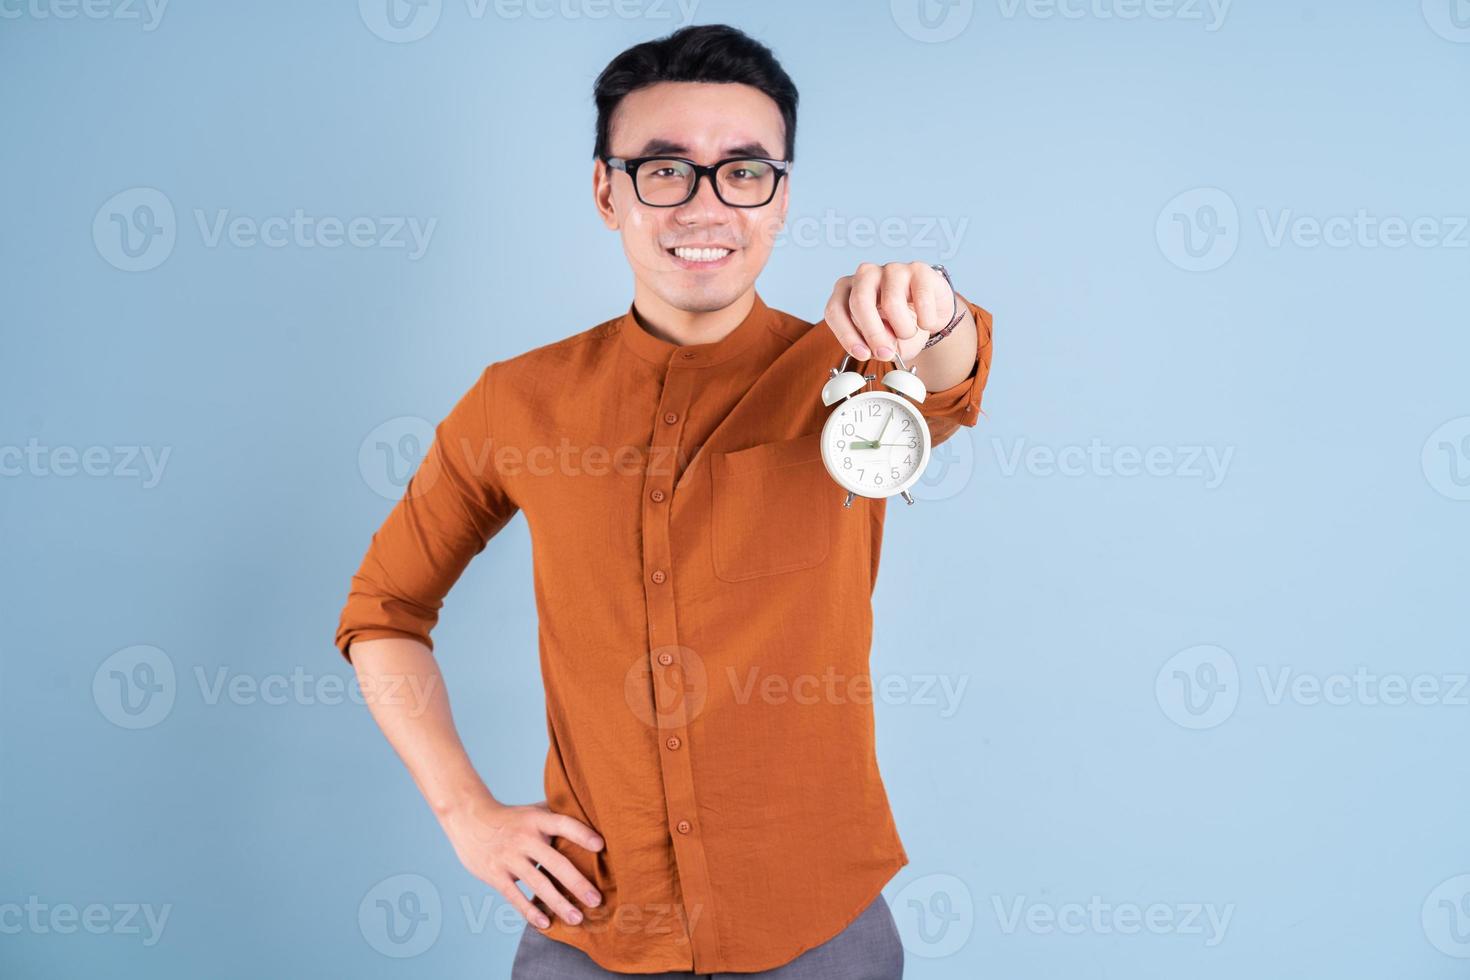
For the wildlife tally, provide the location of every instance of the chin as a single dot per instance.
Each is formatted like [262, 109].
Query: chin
[704, 298]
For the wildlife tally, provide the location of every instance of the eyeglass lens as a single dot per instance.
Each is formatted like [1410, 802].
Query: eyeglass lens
[739, 183]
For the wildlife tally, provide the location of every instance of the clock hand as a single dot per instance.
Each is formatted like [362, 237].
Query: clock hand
[874, 443]
[884, 431]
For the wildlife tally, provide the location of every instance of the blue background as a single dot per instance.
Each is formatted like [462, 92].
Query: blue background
[1118, 640]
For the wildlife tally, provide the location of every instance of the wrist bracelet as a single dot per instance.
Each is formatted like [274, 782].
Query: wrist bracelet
[956, 317]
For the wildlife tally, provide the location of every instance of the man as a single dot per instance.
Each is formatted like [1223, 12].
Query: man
[704, 598]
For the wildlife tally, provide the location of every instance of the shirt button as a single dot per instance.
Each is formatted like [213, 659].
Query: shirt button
[671, 417]
[658, 576]
[687, 355]
[674, 742]
[657, 495]
[666, 658]
[683, 826]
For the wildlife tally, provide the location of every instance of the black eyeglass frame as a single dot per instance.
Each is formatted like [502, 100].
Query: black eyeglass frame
[630, 165]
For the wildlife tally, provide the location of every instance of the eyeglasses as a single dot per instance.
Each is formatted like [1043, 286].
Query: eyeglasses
[667, 182]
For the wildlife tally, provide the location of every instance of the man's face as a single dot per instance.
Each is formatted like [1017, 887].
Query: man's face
[705, 123]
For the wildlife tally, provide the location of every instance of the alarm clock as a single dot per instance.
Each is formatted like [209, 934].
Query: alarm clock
[875, 443]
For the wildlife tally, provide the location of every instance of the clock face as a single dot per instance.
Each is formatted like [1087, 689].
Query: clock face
[875, 443]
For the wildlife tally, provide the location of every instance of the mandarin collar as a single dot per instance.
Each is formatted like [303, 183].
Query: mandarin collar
[663, 352]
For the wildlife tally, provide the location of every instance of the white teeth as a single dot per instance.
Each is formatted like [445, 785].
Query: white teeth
[701, 254]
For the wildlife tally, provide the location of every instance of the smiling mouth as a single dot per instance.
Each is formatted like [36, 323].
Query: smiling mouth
[700, 255]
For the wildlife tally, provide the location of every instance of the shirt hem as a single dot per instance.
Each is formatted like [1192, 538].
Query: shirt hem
[892, 867]
[886, 870]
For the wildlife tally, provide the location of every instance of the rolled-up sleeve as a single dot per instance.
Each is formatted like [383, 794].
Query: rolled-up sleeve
[949, 408]
[452, 506]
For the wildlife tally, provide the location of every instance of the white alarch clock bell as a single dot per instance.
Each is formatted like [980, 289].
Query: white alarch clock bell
[875, 443]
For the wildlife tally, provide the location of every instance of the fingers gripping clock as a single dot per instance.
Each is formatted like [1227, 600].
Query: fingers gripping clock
[875, 443]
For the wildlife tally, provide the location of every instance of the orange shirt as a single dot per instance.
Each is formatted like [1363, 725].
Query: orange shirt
[705, 619]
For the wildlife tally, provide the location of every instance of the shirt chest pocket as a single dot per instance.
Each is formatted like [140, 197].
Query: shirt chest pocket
[772, 509]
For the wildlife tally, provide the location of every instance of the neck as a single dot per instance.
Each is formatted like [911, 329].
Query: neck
[684, 327]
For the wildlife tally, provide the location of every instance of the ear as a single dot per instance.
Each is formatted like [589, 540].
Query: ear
[602, 194]
[783, 201]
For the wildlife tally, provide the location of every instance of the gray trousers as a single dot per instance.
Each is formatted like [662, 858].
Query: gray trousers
[868, 949]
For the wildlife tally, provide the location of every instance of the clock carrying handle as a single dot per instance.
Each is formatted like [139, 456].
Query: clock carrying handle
[899, 379]
[842, 366]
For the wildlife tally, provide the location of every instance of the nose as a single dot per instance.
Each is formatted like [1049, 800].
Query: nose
[704, 205]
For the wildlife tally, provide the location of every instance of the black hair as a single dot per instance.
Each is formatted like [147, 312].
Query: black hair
[703, 53]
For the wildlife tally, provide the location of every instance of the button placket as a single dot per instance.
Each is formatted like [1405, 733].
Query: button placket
[667, 673]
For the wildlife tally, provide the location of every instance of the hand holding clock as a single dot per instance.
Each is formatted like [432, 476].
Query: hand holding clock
[880, 309]
[889, 313]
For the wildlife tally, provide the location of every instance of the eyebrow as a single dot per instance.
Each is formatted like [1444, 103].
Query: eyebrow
[654, 147]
